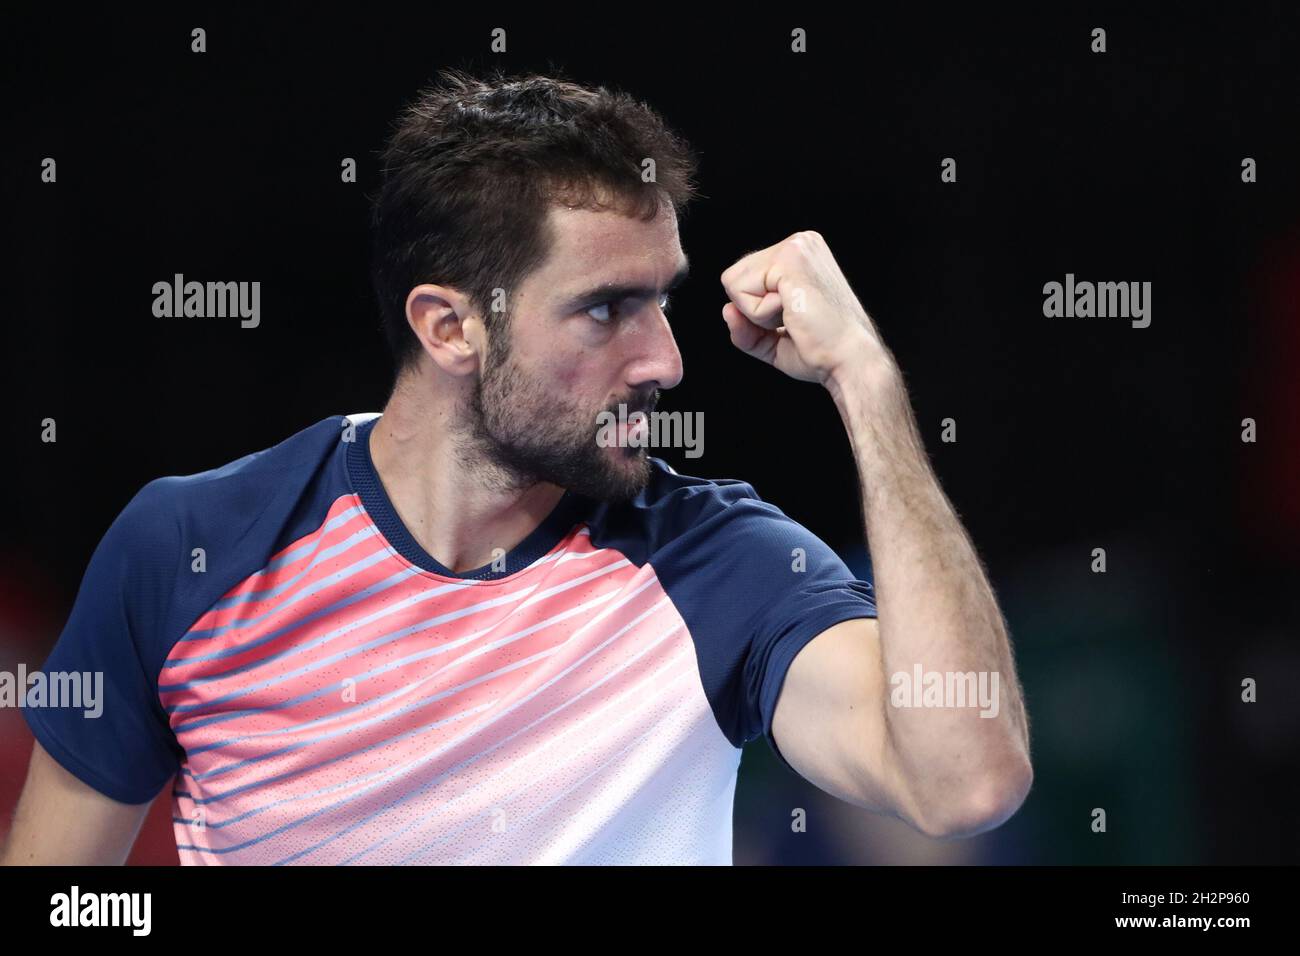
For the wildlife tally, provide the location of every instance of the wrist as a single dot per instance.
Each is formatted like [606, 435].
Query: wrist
[870, 368]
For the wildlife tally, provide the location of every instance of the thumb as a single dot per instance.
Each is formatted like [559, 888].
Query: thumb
[748, 337]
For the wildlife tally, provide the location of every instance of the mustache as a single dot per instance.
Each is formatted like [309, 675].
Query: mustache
[645, 402]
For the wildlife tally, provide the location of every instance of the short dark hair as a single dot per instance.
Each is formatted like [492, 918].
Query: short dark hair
[472, 166]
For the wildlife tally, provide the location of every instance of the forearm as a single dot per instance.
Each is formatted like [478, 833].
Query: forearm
[936, 607]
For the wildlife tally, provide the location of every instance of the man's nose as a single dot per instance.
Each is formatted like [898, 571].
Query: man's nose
[659, 364]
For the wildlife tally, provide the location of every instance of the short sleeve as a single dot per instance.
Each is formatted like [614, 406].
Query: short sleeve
[804, 587]
[753, 587]
[116, 738]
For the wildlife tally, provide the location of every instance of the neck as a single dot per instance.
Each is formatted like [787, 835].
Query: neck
[442, 496]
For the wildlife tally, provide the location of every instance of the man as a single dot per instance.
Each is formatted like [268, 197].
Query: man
[467, 631]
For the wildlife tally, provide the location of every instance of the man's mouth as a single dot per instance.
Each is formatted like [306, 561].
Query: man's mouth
[638, 427]
[625, 428]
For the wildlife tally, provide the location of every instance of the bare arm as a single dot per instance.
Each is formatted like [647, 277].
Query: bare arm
[949, 770]
[966, 761]
[946, 770]
[62, 821]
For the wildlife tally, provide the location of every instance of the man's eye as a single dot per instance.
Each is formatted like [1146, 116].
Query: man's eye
[605, 312]
[601, 313]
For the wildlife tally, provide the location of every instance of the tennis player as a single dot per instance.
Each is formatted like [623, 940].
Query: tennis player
[465, 630]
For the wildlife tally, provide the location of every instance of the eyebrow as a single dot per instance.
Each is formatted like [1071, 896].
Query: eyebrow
[614, 291]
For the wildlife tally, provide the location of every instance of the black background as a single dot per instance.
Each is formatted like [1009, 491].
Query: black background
[1073, 434]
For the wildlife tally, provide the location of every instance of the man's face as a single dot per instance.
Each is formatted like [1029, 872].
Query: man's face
[587, 332]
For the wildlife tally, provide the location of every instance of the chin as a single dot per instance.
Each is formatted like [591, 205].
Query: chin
[627, 476]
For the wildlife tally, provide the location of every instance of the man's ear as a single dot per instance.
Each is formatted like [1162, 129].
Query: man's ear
[450, 332]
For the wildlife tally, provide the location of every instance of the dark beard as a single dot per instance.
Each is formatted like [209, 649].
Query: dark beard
[525, 436]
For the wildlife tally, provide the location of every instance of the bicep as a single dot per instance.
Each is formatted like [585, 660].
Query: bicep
[62, 821]
[830, 720]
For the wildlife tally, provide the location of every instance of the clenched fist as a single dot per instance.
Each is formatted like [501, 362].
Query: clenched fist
[792, 307]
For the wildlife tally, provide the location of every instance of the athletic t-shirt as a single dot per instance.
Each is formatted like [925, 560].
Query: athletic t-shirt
[319, 690]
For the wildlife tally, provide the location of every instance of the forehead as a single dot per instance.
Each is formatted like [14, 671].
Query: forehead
[589, 247]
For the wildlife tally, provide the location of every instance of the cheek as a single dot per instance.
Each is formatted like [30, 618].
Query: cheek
[576, 376]
[568, 378]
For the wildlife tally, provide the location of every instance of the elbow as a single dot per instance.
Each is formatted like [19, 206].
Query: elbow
[984, 807]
